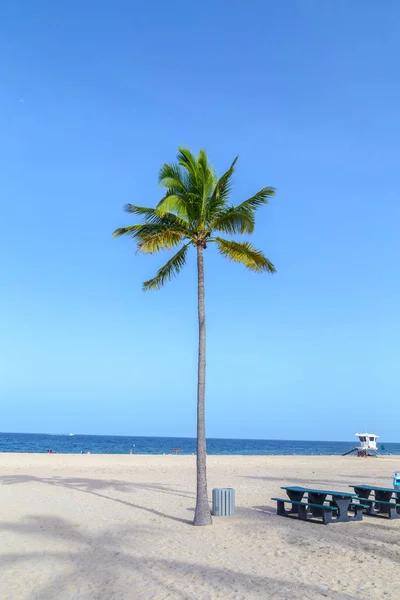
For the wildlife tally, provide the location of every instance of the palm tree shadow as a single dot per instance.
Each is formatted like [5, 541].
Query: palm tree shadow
[90, 486]
[103, 568]
[96, 484]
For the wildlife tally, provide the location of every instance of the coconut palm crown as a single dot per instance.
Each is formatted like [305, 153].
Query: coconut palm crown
[193, 211]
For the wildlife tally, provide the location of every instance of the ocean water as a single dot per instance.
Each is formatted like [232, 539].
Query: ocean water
[109, 444]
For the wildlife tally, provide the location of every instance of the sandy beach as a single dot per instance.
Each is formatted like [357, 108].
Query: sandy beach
[118, 527]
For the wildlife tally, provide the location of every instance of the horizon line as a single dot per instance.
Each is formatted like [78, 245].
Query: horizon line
[180, 437]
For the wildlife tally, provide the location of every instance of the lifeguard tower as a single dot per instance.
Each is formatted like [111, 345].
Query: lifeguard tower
[367, 445]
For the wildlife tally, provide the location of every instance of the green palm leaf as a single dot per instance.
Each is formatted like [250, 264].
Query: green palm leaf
[130, 230]
[241, 218]
[172, 203]
[189, 163]
[132, 209]
[206, 179]
[143, 230]
[168, 271]
[183, 179]
[163, 240]
[258, 199]
[245, 254]
[234, 220]
[149, 215]
[155, 216]
[222, 190]
[172, 177]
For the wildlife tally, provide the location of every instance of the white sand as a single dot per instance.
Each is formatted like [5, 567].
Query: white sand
[118, 527]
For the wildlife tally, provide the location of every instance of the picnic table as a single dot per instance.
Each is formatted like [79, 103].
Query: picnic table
[337, 511]
[384, 502]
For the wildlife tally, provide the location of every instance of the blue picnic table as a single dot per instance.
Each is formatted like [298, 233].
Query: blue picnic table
[339, 504]
[385, 501]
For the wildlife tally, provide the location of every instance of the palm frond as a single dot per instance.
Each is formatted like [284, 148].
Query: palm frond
[206, 171]
[221, 192]
[172, 203]
[154, 216]
[245, 254]
[129, 230]
[194, 188]
[149, 215]
[164, 239]
[139, 210]
[138, 231]
[241, 218]
[188, 162]
[172, 177]
[206, 183]
[145, 230]
[233, 220]
[168, 271]
[184, 180]
[258, 199]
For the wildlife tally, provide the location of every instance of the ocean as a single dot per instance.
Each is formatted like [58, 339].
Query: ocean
[110, 444]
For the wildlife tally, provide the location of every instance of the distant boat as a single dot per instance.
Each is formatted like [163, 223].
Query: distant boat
[70, 434]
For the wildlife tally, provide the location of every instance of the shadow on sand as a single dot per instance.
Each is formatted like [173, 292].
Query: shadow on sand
[93, 487]
[101, 568]
[110, 564]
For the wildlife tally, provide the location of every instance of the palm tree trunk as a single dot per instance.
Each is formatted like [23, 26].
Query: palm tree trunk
[202, 515]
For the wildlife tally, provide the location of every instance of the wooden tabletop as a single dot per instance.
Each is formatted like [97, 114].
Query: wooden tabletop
[362, 486]
[326, 492]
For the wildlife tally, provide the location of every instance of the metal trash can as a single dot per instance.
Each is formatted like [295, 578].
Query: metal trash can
[223, 502]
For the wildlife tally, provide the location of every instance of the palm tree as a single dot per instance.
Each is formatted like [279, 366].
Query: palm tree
[193, 212]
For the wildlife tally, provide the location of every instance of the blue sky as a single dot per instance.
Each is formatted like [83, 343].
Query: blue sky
[95, 96]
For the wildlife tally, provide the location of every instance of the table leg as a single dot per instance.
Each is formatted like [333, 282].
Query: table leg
[393, 512]
[385, 497]
[343, 510]
[298, 497]
[303, 515]
[326, 517]
[280, 509]
[362, 493]
[316, 499]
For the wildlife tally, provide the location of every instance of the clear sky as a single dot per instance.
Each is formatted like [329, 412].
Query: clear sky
[95, 96]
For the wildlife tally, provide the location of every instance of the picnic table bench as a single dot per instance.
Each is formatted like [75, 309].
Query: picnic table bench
[336, 511]
[384, 502]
